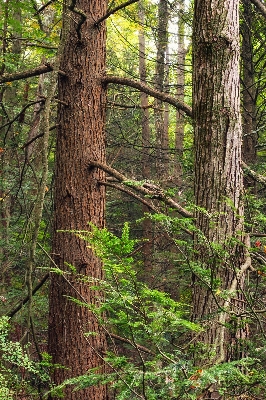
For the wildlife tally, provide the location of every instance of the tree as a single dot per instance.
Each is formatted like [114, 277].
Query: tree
[218, 178]
[220, 298]
[79, 198]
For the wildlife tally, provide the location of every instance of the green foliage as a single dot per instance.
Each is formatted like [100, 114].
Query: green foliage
[147, 329]
[146, 321]
[17, 371]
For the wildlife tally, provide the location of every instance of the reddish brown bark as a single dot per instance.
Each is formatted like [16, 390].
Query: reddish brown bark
[79, 199]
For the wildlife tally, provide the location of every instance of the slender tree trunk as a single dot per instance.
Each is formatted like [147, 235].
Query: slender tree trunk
[218, 177]
[250, 137]
[161, 133]
[9, 98]
[180, 125]
[147, 225]
[78, 198]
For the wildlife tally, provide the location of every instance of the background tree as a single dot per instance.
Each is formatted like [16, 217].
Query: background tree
[218, 177]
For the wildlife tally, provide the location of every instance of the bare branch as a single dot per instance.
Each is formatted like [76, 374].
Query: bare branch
[260, 6]
[150, 190]
[21, 112]
[114, 10]
[26, 299]
[83, 17]
[135, 345]
[43, 7]
[132, 194]
[258, 177]
[16, 76]
[166, 97]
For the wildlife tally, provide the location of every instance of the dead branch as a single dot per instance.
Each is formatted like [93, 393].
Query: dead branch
[135, 345]
[258, 177]
[26, 299]
[132, 194]
[165, 97]
[21, 112]
[43, 7]
[150, 190]
[260, 6]
[16, 76]
[82, 15]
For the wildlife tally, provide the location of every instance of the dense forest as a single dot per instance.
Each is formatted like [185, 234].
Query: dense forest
[132, 199]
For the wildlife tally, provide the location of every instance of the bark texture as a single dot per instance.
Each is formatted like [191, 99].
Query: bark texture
[79, 198]
[218, 176]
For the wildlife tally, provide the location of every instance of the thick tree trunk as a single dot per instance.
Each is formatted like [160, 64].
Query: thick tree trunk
[218, 177]
[79, 198]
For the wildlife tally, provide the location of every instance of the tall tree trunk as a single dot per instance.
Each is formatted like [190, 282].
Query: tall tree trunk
[147, 225]
[180, 125]
[250, 136]
[78, 198]
[161, 132]
[9, 97]
[218, 176]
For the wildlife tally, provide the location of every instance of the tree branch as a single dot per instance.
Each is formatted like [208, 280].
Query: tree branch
[151, 190]
[83, 17]
[260, 6]
[16, 76]
[43, 7]
[132, 194]
[258, 177]
[135, 345]
[166, 97]
[21, 112]
[26, 299]
[114, 10]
